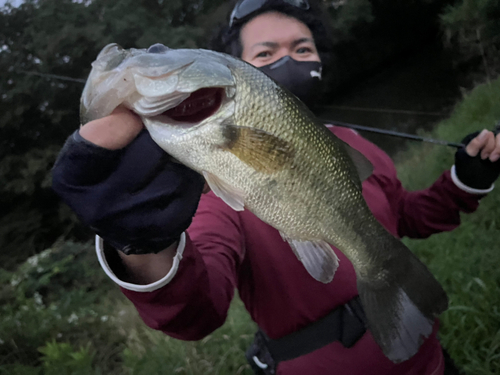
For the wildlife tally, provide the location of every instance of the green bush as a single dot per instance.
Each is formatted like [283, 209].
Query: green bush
[58, 296]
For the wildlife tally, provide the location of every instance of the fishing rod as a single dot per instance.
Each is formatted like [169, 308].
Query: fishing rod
[393, 133]
[53, 76]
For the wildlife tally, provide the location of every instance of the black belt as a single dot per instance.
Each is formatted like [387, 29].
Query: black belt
[347, 324]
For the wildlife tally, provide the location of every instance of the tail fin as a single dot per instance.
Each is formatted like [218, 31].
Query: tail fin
[401, 306]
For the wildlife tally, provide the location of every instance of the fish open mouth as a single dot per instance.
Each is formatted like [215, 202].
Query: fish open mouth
[200, 105]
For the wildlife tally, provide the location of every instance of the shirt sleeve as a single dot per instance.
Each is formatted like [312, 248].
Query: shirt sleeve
[193, 301]
[435, 209]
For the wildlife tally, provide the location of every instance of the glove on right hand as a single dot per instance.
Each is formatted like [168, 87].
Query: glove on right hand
[136, 198]
[475, 172]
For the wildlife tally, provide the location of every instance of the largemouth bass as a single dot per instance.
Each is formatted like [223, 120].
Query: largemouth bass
[259, 148]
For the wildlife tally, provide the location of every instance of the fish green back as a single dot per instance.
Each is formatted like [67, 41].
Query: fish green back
[274, 132]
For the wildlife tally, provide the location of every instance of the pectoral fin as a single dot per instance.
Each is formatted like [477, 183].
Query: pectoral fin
[233, 197]
[318, 258]
[261, 150]
[363, 166]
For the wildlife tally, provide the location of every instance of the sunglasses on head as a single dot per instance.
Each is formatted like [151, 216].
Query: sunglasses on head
[243, 8]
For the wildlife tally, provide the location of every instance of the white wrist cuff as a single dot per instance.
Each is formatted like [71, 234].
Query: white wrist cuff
[463, 187]
[99, 245]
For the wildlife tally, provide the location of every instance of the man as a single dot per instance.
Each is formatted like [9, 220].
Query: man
[180, 271]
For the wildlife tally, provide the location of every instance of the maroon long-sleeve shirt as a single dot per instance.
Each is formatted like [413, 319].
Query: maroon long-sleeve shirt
[226, 249]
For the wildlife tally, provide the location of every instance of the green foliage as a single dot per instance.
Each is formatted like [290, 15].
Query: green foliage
[472, 14]
[63, 38]
[465, 260]
[35, 222]
[473, 26]
[24, 173]
[60, 314]
[59, 294]
[349, 15]
[370, 35]
[61, 358]
[19, 369]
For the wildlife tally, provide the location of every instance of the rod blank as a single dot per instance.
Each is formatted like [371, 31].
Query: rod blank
[394, 133]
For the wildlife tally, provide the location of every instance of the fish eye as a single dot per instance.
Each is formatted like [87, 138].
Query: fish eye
[111, 56]
[157, 48]
[114, 61]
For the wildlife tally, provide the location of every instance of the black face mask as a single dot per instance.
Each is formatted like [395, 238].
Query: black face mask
[302, 78]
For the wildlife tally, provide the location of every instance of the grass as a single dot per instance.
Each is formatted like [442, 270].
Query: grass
[60, 315]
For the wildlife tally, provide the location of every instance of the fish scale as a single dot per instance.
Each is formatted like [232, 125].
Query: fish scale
[262, 150]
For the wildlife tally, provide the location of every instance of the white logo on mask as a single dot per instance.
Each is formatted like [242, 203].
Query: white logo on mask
[315, 73]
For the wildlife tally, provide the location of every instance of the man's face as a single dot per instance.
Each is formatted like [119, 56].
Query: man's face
[271, 36]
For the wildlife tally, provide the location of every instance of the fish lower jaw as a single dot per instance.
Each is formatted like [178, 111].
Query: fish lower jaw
[165, 120]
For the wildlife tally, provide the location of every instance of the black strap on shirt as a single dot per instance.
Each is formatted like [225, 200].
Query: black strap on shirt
[347, 324]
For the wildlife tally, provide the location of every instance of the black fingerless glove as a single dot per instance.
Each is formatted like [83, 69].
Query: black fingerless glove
[475, 172]
[136, 198]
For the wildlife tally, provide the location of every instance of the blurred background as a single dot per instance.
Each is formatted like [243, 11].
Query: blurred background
[418, 66]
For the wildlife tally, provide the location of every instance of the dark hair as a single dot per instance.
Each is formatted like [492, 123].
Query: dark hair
[227, 39]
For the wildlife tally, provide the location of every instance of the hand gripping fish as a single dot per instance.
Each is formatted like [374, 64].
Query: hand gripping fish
[259, 148]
